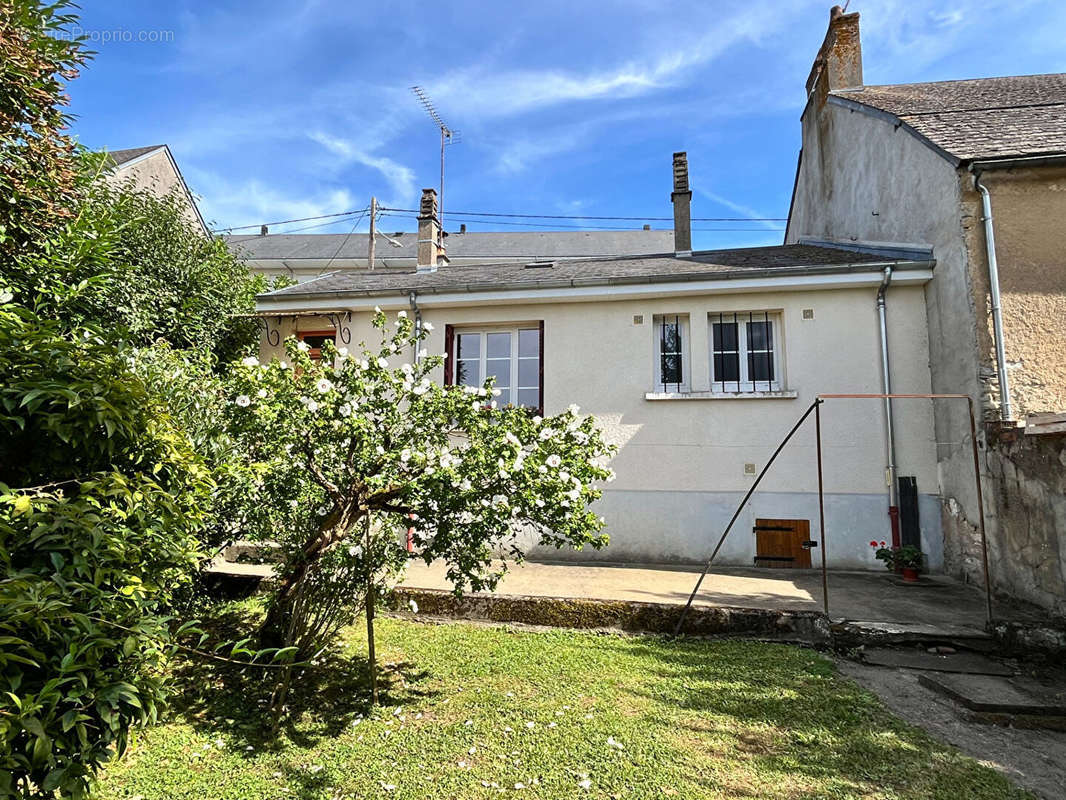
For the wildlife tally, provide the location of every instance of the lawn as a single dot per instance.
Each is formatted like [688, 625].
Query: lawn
[474, 712]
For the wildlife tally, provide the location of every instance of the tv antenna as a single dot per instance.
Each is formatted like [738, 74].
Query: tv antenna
[447, 136]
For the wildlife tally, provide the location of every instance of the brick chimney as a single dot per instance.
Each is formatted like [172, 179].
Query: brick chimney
[430, 242]
[681, 197]
[839, 61]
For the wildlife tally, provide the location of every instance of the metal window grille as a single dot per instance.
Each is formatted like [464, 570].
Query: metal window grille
[743, 358]
[671, 353]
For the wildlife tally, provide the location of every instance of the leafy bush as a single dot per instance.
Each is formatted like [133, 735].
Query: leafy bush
[355, 450]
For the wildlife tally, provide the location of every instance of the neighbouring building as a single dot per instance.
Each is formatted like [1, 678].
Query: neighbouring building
[955, 166]
[154, 168]
[697, 364]
[303, 256]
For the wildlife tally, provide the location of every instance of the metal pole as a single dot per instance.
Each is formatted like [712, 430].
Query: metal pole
[440, 197]
[373, 232]
[821, 502]
[744, 502]
[980, 511]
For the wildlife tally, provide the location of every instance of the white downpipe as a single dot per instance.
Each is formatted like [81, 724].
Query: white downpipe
[886, 382]
[997, 316]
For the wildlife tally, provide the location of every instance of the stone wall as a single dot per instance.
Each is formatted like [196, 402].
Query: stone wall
[1026, 503]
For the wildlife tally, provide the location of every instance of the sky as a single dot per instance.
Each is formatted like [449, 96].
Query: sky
[284, 110]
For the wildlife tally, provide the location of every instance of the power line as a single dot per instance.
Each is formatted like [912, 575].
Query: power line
[344, 241]
[286, 221]
[581, 216]
[556, 226]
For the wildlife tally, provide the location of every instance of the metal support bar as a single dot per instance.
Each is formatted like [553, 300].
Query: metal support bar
[821, 502]
[744, 502]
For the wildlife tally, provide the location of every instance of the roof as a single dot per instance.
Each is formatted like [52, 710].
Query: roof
[1010, 117]
[520, 245]
[663, 267]
[120, 157]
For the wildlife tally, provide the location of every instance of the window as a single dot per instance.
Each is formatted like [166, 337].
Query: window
[744, 352]
[671, 353]
[512, 356]
[314, 341]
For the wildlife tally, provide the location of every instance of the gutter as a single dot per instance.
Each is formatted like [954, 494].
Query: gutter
[890, 435]
[573, 283]
[993, 283]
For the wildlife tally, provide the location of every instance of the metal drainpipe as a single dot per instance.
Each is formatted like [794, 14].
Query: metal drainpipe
[413, 300]
[890, 434]
[993, 282]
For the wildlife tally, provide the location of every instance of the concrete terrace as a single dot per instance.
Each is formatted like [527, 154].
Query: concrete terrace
[867, 596]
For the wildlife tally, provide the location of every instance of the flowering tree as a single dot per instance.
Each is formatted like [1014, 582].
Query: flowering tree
[356, 448]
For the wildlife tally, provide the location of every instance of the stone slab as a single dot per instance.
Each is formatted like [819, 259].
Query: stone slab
[970, 663]
[996, 695]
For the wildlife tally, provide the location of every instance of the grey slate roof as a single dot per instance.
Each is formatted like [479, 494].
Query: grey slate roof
[120, 157]
[1017, 116]
[710, 264]
[522, 245]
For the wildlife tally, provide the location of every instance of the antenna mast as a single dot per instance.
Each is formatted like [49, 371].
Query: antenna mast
[447, 136]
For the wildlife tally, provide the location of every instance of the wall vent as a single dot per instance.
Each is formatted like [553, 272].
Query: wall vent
[540, 265]
[638, 319]
[808, 313]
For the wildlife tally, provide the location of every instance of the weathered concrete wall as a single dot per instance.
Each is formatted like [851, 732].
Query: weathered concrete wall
[158, 174]
[681, 463]
[862, 178]
[1027, 552]
[1029, 218]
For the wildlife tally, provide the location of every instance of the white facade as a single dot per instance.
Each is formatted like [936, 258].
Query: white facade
[685, 459]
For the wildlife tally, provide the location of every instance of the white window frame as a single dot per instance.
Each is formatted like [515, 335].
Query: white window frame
[514, 358]
[686, 360]
[746, 386]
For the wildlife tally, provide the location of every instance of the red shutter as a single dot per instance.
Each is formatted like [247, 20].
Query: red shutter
[449, 354]
[540, 325]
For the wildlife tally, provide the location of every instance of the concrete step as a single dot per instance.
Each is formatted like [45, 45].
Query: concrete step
[872, 633]
[1021, 702]
[915, 658]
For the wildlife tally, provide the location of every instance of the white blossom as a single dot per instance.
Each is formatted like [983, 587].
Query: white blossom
[402, 315]
[344, 409]
[377, 309]
[573, 408]
[261, 394]
[250, 361]
[411, 604]
[312, 406]
[546, 433]
[405, 455]
[302, 345]
[383, 363]
[537, 420]
[553, 460]
[343, 352]
[243, 401]
[323, 385]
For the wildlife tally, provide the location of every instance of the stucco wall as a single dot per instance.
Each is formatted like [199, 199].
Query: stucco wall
[157, 174]
[1029, 220]
[681, 463]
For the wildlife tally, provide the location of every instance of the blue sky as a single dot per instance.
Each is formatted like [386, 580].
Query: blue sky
[281, 110]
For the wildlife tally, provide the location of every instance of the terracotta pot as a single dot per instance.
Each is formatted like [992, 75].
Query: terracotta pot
[910, 574]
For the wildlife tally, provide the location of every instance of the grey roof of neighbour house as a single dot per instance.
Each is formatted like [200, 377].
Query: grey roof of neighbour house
[969, 120]
[120, 157]
[527, 245]
[665, 267]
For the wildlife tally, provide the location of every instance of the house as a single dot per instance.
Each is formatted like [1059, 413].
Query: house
[975, 169]
[696, 364]
[302, 256]
[154, 168]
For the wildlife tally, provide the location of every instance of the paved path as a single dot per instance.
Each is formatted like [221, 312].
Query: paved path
[874, 596]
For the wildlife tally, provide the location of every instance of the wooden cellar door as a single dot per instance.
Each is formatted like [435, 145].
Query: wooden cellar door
[783, 543]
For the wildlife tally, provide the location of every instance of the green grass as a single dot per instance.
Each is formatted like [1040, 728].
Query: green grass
[471, 712]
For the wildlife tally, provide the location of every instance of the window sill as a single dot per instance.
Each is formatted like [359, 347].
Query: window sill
[778, 395]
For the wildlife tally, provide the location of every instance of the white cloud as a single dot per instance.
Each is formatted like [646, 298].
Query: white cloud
[226, 202]
[401, 178]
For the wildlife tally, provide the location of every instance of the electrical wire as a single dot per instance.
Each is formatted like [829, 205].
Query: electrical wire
[581, 216]
[287, 221]
[344, 241]
[556, 226]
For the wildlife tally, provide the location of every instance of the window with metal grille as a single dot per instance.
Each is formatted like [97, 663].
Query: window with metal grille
[512, 356]
[671, 353]
[745, 352]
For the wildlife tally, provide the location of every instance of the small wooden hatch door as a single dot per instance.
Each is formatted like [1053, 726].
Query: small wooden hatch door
[783, 543]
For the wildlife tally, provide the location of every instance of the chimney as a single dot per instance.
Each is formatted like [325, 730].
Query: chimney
[681, 197]
[430, 241]
[263, 230]
[838, 64]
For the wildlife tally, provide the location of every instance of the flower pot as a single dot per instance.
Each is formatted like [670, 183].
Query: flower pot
[910, 574]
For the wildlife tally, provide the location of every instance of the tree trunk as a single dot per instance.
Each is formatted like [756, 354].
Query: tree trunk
[271, 633]
[372, 662]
